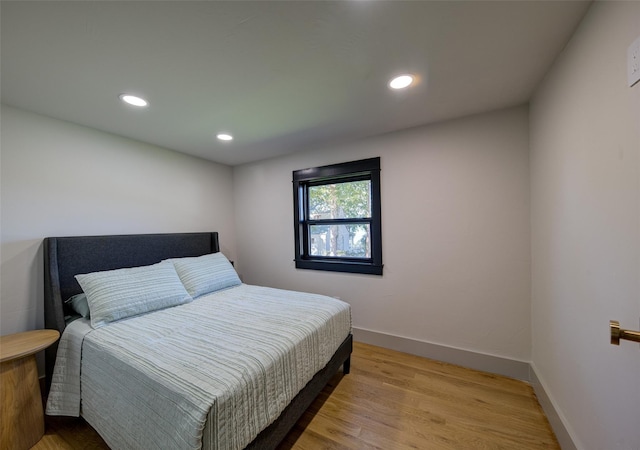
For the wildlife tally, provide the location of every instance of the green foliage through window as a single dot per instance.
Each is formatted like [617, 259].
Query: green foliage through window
[340, 200]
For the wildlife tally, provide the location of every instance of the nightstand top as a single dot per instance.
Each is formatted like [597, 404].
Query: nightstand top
[17, 345]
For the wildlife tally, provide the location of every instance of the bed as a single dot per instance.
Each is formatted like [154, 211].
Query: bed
[321, 352]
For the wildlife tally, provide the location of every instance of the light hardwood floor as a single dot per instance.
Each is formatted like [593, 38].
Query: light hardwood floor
[393, 400]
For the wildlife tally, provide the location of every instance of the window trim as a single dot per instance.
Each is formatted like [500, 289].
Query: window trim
[365, 169]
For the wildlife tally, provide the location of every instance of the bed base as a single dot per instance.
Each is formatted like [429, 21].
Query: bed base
[65, 257]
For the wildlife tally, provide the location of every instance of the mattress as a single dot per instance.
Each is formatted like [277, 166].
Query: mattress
[210, 374]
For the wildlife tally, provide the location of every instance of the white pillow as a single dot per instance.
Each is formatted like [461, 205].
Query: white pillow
[116, 294]
[205, 274]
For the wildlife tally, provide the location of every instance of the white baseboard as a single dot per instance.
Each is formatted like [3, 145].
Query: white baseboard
[560, 429]
[479, 361]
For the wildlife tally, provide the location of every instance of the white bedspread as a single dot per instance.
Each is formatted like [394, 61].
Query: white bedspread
[212, 373]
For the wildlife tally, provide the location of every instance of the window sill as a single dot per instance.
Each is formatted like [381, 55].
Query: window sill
[340, 266]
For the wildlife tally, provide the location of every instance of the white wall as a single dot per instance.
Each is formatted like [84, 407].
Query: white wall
[455, 213]
[585, 187]
[61, 179]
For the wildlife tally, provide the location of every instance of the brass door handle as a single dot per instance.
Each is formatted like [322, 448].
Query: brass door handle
[618, 333]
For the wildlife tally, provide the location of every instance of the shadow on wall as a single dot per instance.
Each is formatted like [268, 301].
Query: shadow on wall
[21, 286]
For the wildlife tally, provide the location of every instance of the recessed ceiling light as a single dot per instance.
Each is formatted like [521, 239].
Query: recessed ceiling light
[133, 100]
[401, 82]
[224, 137]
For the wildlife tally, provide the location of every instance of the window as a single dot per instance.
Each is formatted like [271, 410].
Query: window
[337, 217]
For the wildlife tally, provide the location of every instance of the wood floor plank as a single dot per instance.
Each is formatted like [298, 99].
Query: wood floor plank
[393, 401]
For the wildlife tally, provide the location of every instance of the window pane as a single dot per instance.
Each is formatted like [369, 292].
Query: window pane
[344, 240]
[340, 200]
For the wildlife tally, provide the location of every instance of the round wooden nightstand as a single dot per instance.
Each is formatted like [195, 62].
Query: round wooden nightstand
[22, 423]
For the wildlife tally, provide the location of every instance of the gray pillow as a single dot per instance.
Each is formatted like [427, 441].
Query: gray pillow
[79, 304]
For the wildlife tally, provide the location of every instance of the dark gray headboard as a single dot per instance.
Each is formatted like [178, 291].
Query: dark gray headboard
[65, 257]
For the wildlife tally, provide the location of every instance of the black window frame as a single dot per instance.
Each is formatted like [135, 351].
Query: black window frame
[365, 169]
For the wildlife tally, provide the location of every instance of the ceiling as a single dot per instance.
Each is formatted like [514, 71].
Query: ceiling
[280, 76]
